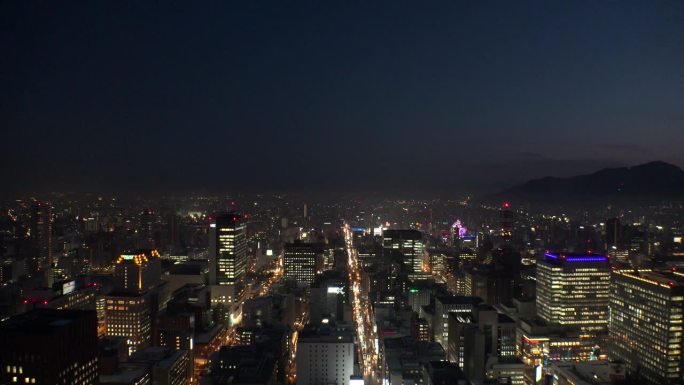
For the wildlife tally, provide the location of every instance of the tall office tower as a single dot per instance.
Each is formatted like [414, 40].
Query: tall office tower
[128, 315]
[420, 294]
[324, 357]
[407, 245]
[228, 264]
[497, 338]
[446, 304]
[48, 346]
[137, 272]
[506, 218]
[574, 290]
[301, 262]
[328, 295]
[41, 232]
[613, 233]
[174, 225]
[647, 310]
[227, 249]
[145, 227]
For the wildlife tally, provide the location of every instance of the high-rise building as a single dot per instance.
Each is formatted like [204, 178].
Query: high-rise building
[325, 357]
[406, 245]
[613, 233]
[328, 295]
[47, 346]
[128, 315]
[574, 290]
[646, 316]
[228, 263]
[493, 285]
[506, 219]
[227, 249]
[146, 228]
[41, 232]
[498, 336]
[301, 262]
[446, 304]
[420, 294]
[137, 272]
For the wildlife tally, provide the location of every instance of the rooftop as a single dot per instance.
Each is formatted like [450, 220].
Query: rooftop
[458, 299]
[585, 373]
[43, 320]
[578, 258]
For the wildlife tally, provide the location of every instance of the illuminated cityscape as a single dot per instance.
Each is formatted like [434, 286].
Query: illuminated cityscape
[342, 193]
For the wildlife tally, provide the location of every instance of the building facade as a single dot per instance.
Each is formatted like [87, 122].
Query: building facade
[129, 316]
[41, 232]
[228, 264]
[47, 346]
[647, 312]
[301, 262]
[137, 272]
[325, 357]
[573, 290]
[409, 246]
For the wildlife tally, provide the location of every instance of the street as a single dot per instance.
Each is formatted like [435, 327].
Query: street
[363, 314]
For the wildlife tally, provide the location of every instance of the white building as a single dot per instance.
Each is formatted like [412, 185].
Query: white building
[325, 356]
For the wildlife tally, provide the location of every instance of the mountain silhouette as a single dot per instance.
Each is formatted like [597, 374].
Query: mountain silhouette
[651, 181]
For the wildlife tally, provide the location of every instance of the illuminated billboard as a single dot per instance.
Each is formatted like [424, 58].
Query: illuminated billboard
[68, 287]
[335, 290]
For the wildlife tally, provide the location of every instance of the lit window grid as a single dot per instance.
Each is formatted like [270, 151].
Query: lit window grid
[573, 295]
[646, 326]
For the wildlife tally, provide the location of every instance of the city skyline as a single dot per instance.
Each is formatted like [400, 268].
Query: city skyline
[342, 193]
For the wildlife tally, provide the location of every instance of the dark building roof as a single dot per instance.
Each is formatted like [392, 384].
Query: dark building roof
[403, 234]
[43, 320]
[458, 299]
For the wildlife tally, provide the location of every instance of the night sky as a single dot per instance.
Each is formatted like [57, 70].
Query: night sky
[337, 95]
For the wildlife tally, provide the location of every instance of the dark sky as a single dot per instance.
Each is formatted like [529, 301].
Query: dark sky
[335, 94]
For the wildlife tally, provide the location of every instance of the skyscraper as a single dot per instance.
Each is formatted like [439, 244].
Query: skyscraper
[646, 315]
[145, 230]
[573, 290]
[227, 249]
[506, 218]
[301, 262]
[445, 305]
[138, 271]
[47, 346]
[613, 233]
[407, 245]
[41, 232]
[228, 262]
